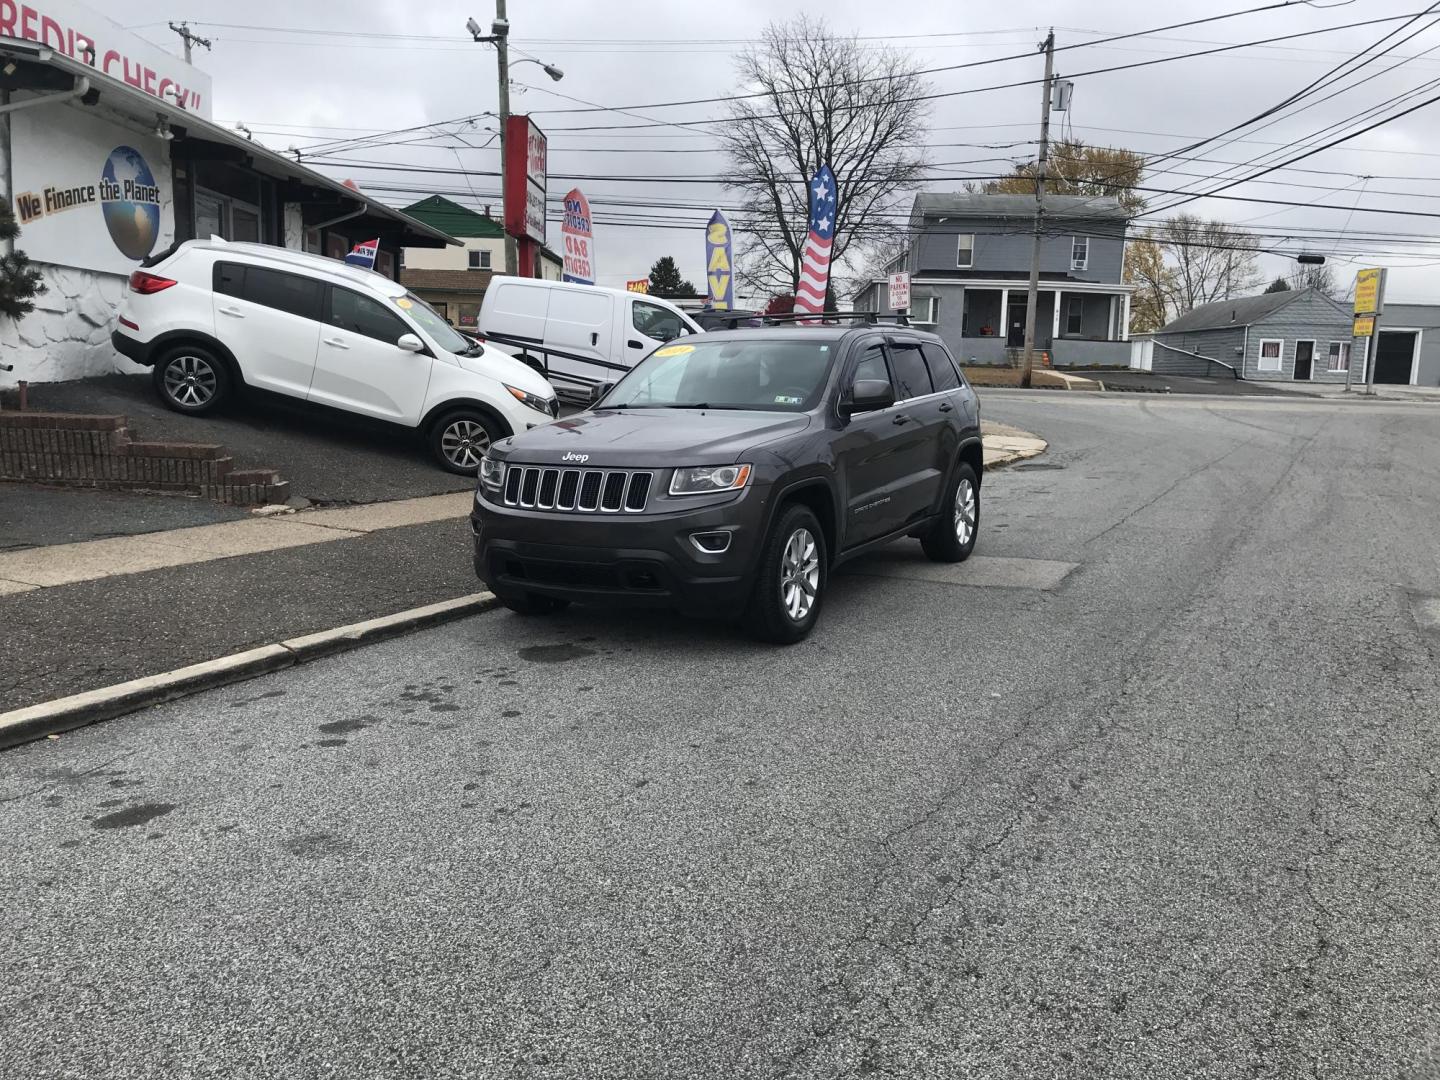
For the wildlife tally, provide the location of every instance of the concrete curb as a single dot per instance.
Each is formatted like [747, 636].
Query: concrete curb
[80, 710]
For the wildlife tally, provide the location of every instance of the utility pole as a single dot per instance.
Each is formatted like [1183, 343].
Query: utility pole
[499, 36]
[1034, 292]
[183, 29]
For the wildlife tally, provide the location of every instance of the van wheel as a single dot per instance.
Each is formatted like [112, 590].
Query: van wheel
[952, 537]
[191, 379]
[790, 582]
[459, 440]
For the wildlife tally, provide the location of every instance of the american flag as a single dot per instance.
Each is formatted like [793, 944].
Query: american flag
[815, 267]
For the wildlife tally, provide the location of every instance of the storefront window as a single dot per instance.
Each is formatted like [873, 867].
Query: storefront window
[469, 316]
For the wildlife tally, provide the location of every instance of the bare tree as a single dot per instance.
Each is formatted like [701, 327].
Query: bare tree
[1209, 261]
[1319, 276]
[826, 100]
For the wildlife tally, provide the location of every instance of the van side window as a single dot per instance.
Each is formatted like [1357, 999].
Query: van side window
[290, 293]
[362, 315]
[654, 321]
[942, 368]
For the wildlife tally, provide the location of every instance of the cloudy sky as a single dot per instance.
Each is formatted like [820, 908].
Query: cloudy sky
[301, 73]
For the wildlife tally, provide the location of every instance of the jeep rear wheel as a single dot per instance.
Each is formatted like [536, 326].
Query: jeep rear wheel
[790, 583]
[952, 537]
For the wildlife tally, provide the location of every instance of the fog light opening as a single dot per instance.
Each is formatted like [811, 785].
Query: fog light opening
[711, 543]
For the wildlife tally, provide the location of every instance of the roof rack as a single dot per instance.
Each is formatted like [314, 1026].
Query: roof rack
[870, 318]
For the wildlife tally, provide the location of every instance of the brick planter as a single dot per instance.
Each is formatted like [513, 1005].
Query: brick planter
[96, 451]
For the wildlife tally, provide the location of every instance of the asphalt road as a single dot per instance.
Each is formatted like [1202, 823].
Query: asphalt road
[1175, 817]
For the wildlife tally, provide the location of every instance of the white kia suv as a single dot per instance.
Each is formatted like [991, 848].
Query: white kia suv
[212, 316]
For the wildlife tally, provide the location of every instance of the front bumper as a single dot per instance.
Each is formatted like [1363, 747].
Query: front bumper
[644, 560]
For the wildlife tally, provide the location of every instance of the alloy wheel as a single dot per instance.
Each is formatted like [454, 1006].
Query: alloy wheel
[464, 443]
[190, 381]
[965, 511]
[800, 575]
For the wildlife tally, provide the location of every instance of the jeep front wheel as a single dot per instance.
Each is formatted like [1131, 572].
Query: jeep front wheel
[790, 583]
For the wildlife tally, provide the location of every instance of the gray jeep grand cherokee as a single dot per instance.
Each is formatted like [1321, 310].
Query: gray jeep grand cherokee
[728, 474]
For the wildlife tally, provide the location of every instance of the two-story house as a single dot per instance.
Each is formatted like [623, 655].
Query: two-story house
[453, 280]
[969, 265]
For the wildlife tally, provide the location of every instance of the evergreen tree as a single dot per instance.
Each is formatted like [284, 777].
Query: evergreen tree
[19, 278]
[1278, 285]
[665, 279]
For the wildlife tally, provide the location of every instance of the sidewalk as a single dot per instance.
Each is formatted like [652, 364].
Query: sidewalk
[79, 616]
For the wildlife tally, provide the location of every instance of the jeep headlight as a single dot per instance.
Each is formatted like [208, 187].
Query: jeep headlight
[492, 474]
[709, 479]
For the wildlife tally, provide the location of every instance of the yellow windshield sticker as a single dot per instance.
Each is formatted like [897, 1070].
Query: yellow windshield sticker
[674, 350]
[403, 303]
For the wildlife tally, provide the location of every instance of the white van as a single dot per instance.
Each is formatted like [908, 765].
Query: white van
[578, 336]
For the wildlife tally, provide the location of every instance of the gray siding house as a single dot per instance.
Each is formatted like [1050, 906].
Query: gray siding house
[1409, 352]
[1298, 335]
[969, 264]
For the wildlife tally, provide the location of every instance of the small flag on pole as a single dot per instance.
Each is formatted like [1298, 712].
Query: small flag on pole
[363, 254]
[815, 267]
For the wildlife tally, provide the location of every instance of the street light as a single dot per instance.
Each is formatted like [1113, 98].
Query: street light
[499, 36]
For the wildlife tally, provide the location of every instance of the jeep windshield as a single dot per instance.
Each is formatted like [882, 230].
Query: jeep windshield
[769, 374]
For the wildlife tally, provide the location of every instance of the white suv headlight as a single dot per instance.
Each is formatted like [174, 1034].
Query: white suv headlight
[492, 474]
[709, 479]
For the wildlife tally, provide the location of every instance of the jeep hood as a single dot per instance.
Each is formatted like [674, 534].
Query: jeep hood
[652, 438]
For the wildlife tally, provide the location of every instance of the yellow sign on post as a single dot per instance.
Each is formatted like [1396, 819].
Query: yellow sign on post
[1369, 292]
[1364, 326]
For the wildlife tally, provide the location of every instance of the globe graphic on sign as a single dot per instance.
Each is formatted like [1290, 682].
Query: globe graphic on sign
[133, 225]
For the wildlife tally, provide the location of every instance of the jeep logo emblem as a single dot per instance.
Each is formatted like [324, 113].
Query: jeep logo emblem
[581, 458]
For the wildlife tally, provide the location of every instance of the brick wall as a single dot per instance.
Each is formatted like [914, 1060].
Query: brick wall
[74, 450]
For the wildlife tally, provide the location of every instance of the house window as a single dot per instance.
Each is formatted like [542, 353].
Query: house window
[965, 251]
[1079, 252]
[925, 310]
[1270, 353]
[1075, 316]
[480, 260]
[1339, 355]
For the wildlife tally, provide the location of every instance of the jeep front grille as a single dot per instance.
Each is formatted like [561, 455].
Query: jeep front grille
[583, 491]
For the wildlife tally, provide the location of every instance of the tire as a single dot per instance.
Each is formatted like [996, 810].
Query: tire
[459, 439]
[534, 604]
[952, 538]
[191, 379]
[790, 584]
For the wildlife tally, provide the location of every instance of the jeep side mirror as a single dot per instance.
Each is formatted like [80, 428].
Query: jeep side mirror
[867, 395]
[599, 390]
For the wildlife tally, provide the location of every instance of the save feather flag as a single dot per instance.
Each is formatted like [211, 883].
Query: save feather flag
[719, 254]
[815, 267]
[363, 254]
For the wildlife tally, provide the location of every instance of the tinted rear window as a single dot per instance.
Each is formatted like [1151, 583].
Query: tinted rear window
[912, 380]
[290, 293]
[230, 279]
[942, 368]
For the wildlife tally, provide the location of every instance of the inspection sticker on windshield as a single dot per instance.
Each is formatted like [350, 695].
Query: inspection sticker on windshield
[674, 350]
[786, 399]
[403, 303]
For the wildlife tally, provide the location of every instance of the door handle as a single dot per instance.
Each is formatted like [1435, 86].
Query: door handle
[635, 344]
[336, 343]
[594, 339]
[235, 312]
[945, 406]
[901, 419]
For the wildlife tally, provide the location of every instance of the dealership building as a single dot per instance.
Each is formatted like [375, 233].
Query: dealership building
[108, 156]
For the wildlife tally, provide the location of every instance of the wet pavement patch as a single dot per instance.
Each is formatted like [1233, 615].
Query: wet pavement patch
[134, 815]
[344, 727]
[554, 654]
